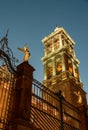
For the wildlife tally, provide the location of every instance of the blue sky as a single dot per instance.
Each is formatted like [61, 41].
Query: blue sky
[29, 21]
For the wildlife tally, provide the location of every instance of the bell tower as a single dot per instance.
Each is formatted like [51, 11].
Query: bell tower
[61, 67]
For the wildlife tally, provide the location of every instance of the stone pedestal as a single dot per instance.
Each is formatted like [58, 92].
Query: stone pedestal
[20, 117]
[24, 90]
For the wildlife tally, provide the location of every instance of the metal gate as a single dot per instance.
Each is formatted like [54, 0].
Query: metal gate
[7, 71]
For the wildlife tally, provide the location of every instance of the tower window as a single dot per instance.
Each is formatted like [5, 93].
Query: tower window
[56, 43]
[55, 40]
[76, 74]
[58, 66]
[64, 41]
[70, 67]
[49, 48]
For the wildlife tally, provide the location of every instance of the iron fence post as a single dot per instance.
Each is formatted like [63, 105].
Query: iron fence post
[61, 98]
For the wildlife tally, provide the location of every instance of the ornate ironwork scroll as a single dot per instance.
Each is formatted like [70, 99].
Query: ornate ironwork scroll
[7, 54]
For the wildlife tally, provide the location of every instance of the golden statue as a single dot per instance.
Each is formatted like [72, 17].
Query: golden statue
[27, 53]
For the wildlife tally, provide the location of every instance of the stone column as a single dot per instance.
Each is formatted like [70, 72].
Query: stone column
[45, 71]
[53, 65]
[22, 94]
[60, 38]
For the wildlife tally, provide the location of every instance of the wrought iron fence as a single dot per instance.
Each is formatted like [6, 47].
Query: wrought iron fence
[7, 69]
[50, 111]
[6, 83]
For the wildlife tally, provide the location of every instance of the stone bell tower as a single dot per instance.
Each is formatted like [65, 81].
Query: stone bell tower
[61, 67]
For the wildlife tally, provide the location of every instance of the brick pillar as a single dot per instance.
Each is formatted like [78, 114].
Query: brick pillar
[83, 117]
[20, 116]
